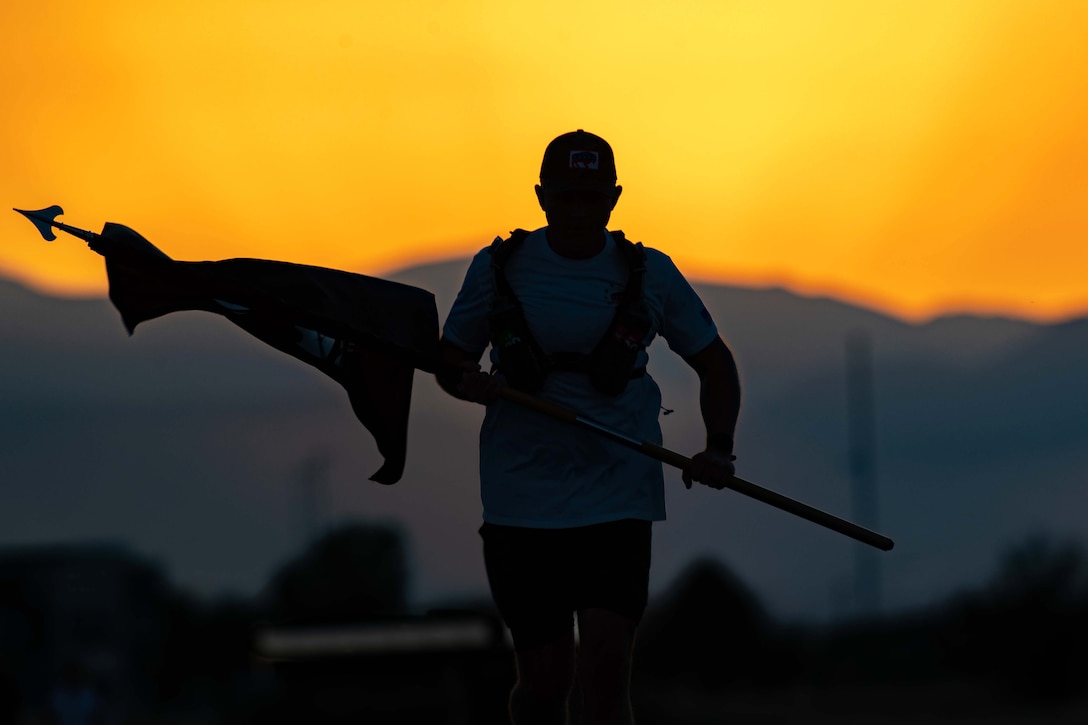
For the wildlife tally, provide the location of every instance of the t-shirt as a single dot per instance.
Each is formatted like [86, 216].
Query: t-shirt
[540, 472]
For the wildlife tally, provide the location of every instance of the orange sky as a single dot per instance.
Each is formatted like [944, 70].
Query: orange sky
[920, 157]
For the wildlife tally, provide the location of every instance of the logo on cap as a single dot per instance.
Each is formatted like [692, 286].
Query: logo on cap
[584, 160]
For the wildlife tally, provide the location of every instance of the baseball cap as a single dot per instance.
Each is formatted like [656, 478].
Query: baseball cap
[578, 161]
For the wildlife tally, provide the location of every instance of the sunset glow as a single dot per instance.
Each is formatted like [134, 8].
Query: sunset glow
[920, 158]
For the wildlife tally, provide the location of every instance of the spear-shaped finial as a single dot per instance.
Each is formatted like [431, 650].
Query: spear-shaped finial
[43, 219]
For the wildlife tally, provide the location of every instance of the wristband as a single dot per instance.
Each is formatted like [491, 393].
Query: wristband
[720, 442]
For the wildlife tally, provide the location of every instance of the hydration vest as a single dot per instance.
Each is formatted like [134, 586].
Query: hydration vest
[612, 362]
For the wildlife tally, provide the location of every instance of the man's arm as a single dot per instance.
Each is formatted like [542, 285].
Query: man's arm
[719, 402]
[471, 383]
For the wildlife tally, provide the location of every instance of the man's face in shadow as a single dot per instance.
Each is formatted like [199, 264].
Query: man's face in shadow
[577, 211]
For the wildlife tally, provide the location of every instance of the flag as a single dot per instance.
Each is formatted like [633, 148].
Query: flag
[367, 334]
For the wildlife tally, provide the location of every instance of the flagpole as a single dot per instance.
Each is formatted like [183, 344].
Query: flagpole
[784, 503]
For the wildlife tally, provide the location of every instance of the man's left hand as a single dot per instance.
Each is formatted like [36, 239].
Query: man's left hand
[711, 468]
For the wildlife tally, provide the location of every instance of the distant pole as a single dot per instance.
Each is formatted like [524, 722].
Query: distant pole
[861, 416]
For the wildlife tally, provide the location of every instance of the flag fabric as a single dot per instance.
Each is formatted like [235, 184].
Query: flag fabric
[367, 334]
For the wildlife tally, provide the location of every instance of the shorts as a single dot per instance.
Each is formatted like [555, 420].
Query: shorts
[540, 577]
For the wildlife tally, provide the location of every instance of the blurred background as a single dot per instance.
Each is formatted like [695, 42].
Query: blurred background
[881, 205]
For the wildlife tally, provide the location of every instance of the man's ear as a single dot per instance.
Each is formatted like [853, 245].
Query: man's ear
[616, 198]
[539, 196]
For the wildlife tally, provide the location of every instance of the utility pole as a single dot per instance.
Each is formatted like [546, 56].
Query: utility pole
[861, 417]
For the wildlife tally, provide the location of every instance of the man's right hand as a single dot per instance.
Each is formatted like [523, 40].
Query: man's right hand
[477, 386]
[459, 375]
[711, 467]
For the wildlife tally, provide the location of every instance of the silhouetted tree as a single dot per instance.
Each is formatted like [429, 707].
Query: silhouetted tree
[711, 632]
[899, 649]
[1027, 632]
[355, 572]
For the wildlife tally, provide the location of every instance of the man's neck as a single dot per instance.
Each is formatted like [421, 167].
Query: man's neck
[575, 245]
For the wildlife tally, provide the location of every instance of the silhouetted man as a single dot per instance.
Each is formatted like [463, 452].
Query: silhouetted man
[569, 310]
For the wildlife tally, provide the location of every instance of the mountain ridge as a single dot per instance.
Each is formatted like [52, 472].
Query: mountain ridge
[191, 426]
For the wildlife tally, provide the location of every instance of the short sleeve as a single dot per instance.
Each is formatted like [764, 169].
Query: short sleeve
[466, 324]
[686, 324]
